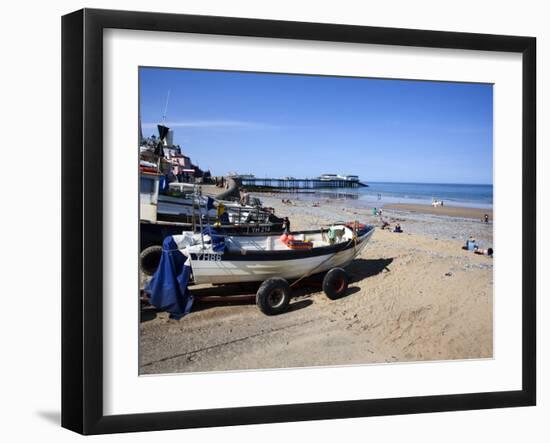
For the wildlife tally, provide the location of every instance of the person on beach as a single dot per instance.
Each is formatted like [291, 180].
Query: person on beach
[470, 244]
[244, 197]
[486, 218]
[488, 252]
[397, 228]
[286, 225]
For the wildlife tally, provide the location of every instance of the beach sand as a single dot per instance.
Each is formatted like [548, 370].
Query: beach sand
[452, 211]
[414, 296]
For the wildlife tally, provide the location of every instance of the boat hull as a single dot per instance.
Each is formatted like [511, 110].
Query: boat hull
[216, 269]
[152, 234]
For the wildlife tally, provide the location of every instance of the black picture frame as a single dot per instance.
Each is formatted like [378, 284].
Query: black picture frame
[82, 218]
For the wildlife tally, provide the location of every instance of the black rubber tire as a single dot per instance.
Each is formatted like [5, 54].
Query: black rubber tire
[335, 283]
[273, 296]
[149, 259]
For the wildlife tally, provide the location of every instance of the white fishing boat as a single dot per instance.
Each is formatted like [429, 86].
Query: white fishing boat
[277, 262]
[185, 207]
[257, 258]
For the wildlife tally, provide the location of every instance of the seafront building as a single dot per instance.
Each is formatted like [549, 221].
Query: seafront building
[174, 162]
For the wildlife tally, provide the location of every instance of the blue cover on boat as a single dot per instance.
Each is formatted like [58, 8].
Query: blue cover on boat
[168, 287]
[218, 240]
[209, 203]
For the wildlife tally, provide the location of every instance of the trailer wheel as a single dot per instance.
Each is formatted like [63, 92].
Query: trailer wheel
[335, 283]
[273, 296]
[149, 259]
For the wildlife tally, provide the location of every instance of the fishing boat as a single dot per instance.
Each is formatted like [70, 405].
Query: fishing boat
[257, 258]
[277, 262]
[185, 209]
[184, 203]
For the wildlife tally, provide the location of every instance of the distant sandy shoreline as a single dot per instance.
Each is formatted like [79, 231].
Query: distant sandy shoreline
[365, 207]
[451, 211]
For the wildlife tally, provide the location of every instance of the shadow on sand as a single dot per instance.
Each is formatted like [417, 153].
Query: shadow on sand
[357, 270]
[362, 268]
[147, 313]
[238, 295]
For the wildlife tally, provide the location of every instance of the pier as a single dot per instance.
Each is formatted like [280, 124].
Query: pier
[259, 184]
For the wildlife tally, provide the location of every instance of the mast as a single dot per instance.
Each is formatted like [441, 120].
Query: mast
[163, 132]
[166, 107]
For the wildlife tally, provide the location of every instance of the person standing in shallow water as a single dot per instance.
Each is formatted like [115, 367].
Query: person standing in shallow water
[486, 218]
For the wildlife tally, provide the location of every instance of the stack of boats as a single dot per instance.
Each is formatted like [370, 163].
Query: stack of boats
[182, 207]
[183, 203]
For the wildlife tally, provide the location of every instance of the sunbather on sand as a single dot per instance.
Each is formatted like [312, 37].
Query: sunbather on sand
[488, 252]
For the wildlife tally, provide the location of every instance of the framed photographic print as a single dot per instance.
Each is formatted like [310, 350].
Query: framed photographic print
[268, 221]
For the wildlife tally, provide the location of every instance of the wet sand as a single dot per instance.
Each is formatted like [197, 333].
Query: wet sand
[451, 211]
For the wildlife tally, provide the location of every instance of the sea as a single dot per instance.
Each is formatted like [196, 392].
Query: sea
[381, 193]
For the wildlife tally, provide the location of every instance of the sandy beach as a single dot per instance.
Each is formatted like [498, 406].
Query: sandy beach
[414, 296]
[451, 211]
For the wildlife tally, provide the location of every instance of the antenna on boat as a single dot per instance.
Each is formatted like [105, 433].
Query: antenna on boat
[166, 107]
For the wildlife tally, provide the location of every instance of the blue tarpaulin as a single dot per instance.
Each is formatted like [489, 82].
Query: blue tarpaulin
[168, 287]
[218, 241]
[209, 203]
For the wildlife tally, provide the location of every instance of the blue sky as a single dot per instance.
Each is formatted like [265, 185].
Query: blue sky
[290, 125]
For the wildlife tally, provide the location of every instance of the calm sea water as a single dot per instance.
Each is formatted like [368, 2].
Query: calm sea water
[378, 193]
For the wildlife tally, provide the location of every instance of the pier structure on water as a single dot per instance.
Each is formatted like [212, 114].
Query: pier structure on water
[290, 183]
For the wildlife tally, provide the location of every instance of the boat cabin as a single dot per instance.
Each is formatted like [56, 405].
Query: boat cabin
[148, 196]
